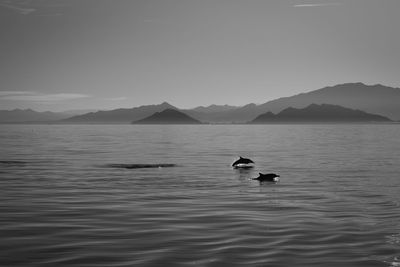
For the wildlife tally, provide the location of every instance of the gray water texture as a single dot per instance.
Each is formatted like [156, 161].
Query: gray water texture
[337, 202]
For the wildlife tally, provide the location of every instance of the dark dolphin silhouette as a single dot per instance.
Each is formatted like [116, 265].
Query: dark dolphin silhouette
[269, 177]
[242, 161]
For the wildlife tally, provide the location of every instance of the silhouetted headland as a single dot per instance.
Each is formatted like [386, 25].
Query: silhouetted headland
[121, 115]
[29, 116]
[168, 116]
[323, 113]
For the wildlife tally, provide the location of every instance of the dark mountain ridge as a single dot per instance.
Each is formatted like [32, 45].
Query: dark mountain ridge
[168, 116]
[324, 113]
[123, 115]
[29, 115]
[236, 115]
[375, 99]
[214, 108]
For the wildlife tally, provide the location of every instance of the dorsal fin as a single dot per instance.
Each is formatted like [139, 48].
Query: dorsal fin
[240, 157]
[260, 174]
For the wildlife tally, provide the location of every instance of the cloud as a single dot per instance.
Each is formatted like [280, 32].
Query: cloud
[317, 5]
[17, 8]
[40, 8]
[38, 97]
[9, 93]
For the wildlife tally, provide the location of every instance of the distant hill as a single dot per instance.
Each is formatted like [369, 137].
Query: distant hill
[75, 112]
[29, 116]
[235, 115]
[122, 115]
[168, 116]
[375, 99]
[214, 108]
[324, 113]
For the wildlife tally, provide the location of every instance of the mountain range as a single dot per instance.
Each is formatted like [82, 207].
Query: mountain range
[122, 115]
[317, 114]
[29, 115]
[375, 99]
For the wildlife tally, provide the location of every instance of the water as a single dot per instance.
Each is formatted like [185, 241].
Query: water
[337, 203]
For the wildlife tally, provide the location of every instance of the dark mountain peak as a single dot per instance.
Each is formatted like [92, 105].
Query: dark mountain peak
[350, 84]
[167, 105]
[163, 105]
[251, 105]
[168, 116]
[169, 111]
[341, 85]
[318, 107]
[121, 115]
[356, 86]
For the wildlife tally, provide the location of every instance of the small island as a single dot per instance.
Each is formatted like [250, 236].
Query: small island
[323, 113]
[168, 116]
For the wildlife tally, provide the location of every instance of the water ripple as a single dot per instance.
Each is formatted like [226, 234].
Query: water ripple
[62, 204]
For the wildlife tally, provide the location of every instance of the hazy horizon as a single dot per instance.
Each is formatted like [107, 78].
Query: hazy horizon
[83, 110]
[97, 54]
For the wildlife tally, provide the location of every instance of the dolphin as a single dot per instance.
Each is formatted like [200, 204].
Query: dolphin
[242, 162]
[269, 177]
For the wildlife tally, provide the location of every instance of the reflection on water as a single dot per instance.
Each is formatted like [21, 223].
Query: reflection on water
[336, 204]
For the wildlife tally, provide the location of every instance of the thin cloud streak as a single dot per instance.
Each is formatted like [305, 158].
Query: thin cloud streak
[10, 93]
[18, 9]
[318, 5]
[44, 8]
[39, 97]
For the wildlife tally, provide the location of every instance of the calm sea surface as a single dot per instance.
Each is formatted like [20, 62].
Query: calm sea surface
[337, 203]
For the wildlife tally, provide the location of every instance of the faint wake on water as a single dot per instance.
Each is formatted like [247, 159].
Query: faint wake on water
[62, 204]
[140, 166]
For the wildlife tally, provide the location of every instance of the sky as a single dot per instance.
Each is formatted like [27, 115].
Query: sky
[102, 54]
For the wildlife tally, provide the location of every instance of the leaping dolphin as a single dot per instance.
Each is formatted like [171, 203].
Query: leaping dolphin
[242, 162]
[269, 177]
